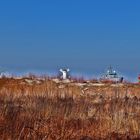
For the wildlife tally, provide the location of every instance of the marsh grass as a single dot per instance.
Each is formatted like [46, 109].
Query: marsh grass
[45, 111]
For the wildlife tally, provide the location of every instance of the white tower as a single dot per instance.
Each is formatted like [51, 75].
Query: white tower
[65, 74]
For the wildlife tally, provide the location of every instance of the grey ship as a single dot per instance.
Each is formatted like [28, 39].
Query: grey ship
[111, 76]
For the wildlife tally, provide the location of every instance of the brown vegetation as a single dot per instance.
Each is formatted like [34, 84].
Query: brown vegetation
[41, 109]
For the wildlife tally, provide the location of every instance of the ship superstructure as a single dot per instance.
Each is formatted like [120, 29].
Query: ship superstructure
[112, 76]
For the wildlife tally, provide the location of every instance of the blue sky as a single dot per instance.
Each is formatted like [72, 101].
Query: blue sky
[85, 35]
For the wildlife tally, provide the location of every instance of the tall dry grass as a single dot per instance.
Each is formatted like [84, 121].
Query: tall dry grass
[32, 109]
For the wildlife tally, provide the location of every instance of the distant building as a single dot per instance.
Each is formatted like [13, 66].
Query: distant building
[64, 74]
[111, 76]
[2, 74]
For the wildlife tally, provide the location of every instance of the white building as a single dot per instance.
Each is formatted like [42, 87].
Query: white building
[64, 74]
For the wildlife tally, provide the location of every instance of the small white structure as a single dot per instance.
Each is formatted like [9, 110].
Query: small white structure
[2, 74]
[64, 74]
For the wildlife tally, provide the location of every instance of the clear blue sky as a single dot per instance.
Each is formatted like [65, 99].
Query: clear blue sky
[85, 35]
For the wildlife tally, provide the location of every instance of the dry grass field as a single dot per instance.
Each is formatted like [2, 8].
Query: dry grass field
[34, 108]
